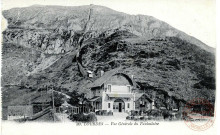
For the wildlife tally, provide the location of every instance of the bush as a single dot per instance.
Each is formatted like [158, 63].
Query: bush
[130, 118]
[110, 113]
[178, 115]
[134, 113]
[166, 114]
[91, 117]
[154, 113]
[104, 113]
[142, 118]
[98, 112]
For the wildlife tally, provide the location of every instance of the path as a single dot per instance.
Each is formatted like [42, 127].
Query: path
[62, 117]
[117, 117]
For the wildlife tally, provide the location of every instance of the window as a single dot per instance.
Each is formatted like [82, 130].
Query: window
[94, 93]
[97, 105]
[129, 88]
[90, 75]
[128, 105]
[109, 88]
[109, 105]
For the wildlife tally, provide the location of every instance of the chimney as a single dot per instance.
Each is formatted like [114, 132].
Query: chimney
[132, 77]
[90, 74]
[102, 73]
[153, 100]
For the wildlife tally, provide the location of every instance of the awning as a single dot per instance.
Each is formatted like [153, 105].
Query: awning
[123, 95]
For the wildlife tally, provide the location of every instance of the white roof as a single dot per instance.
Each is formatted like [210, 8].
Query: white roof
[120, 95]
[89, 71]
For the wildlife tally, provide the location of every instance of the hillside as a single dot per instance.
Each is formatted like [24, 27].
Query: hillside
[54, 45]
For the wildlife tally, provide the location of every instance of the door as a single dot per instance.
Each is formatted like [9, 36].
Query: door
[120, 107]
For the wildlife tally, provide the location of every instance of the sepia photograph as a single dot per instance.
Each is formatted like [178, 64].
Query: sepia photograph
[99, 64]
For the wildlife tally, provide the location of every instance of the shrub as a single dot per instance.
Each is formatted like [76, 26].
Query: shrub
[142, 118]
[91, 117]
[166, 114]
[83, 118]
[134, 113]
[104, 112]
[97, 112]
[154, 112]
[178, 115]
[110, 113]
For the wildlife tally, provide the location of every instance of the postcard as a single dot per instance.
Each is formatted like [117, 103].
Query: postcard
[108, 67]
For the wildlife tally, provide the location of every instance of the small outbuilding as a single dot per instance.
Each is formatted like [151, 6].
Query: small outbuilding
[19, 112]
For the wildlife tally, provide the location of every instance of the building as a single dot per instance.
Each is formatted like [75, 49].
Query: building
[19, 112]
[116, 91]
[143, 102]
[90, 74]
[66, 107]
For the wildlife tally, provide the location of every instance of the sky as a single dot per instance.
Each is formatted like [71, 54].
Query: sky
[194, 17]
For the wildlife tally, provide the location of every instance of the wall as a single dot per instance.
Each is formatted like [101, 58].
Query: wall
[147, 105]
[97, 92]
[118, 80]
[17, 112]
[119, 89]
[106, 100]
[118, 84]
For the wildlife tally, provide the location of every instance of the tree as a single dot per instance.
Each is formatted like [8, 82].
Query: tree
[77, 99]
[74, 100]
[58, 99]
[83, 100]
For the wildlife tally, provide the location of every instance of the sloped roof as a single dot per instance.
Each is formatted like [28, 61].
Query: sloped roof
[43, 99]
[125, 95]
[139, 95]
[94, 99]
[20, 110]
[104, 78]
[69, 105]
[107, 75]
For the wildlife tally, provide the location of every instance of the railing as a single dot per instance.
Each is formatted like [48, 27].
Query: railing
[39, 114]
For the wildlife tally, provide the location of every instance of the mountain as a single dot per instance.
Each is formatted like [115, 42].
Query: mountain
[56, 45]
[38, 20]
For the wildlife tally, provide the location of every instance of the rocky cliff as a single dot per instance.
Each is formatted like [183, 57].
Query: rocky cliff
[54, 45]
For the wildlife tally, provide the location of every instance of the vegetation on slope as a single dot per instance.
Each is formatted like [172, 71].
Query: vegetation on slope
[56, 48]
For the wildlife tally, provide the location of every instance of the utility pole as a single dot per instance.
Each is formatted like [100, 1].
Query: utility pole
[46, 89]
[53, 106]
[41, 98]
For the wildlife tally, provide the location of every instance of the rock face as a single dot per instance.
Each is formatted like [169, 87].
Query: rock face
[55, 29]
[46, 45]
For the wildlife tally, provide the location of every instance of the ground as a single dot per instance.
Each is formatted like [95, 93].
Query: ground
[62, 117]
[117, 117]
